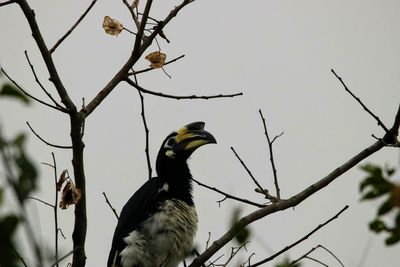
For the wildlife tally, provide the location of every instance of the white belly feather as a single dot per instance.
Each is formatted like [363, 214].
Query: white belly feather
[165, 239]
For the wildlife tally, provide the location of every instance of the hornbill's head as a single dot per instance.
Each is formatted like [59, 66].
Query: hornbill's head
[179, 145]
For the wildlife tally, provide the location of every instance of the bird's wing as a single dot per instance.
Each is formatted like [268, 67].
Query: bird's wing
[138, 208]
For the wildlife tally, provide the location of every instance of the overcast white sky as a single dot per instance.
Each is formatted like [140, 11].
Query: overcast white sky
[279, 54]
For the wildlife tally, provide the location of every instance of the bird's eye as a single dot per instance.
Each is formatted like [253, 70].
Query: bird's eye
[171, 142]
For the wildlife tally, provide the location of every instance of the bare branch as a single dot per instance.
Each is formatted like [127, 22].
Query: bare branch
[40, 84]
[380, 123]
[19, 256]
[109, 204]
[29, 95]
[54, 77]
[134, 17]
[177, 97]
[146, 130]
[248, 171]
[73, 27]
[42, 201]
[150, 69]
[7, 3]
[271, 155]
[314, 248]
[44, 141]
[136, 54]
[301, 239]
[228, 195]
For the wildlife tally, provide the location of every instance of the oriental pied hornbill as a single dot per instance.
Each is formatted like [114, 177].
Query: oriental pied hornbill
[157, 225]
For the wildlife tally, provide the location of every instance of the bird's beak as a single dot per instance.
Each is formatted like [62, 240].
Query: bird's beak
[193, 136]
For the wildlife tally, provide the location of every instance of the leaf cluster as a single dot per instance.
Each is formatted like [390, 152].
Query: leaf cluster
[378, 184]
[20, 177]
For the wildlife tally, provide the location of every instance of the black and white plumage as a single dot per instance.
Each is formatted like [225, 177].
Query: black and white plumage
[157, 225]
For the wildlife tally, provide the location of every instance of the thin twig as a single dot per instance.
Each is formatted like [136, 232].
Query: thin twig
[317, 261]
[73, 27]
[44, 141]
[146, 130]
[109, 204]
[40, 84]
[134, 17]
[271, 155]
[143, 90]
[7, 3]
[63, 258]
[150, 68]
[55, 209]
[315, 248]
[19, 256]
[228, 195]
[380, 123]
[301, 239]
[42, 201]
[29, 95]
[247, 170]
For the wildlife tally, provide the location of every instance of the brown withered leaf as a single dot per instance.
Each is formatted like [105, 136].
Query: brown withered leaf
[70, 195]
[157, 59]
[112, 26]
[62, 179]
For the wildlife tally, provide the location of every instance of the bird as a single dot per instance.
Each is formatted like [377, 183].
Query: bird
[157, 226]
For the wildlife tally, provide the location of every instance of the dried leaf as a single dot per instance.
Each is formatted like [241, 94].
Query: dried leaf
[70, 195]
[157, 59]
[62, 179]
[112, 26]
[396, 196]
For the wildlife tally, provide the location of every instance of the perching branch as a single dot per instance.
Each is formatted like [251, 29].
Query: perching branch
[177, 97]
[294, 200]
[73, 27]
[44, 141]
[271, 155]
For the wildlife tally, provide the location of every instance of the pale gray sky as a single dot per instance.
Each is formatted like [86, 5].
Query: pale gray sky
[279, 54]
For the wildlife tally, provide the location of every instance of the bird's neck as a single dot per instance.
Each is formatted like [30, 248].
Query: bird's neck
[179, 179]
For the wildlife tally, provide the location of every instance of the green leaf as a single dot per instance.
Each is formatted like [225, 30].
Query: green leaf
[19, 140]
[11, 91]
[27, 176]
[243, 234]
[391, 240]
[385, 207]
[377, 226]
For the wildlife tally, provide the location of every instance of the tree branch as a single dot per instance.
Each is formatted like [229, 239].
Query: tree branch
[40, 84]
[228, 195]
[29, 95]
[315, 248]
[271, 155]
[136, 54]
[44, 141]
[146, 130]
[111, 207]
[380, 123]
[177, 97]
[73, 27]
[7, 3]
[46, 55]
[285, 204]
